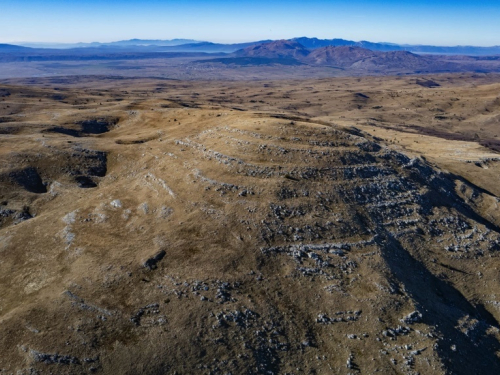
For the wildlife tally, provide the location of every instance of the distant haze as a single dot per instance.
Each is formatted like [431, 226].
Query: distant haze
[445, 22]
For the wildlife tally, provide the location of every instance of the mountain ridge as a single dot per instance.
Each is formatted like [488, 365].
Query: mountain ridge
[276, 49]
[343, 57]
[180, 45]
[336, 59]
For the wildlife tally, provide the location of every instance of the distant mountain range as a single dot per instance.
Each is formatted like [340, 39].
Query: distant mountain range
[311, 52]
[145, 45]
[291, 52]
[120, 43]
[313, 43]
[189, 45]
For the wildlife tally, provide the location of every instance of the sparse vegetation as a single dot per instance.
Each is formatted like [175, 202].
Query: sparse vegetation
[249, 237]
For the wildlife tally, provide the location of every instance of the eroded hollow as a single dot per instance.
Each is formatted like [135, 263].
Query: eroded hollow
[85, 182]
[86, 127]
[29, 179]
[98, 125]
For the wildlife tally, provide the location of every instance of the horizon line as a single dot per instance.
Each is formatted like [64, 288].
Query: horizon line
[20, 43]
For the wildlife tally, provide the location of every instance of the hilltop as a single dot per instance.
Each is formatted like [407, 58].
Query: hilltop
[275, 49]
[345, 225]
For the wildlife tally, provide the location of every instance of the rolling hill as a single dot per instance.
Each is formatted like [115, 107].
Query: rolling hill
[164, 226]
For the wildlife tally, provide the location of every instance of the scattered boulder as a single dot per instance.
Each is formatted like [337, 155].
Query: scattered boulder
[151, 263]
[413, 317]
[116, 203]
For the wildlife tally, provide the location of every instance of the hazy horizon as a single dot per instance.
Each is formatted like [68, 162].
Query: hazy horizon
[48, 43]
[440, 23]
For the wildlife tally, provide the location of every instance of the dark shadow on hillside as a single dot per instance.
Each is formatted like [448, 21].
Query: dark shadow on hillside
[98, 126]
[86, 127]
[29, 179]
[448, 197]
[442, 193]
[65, 131]
[442, 307]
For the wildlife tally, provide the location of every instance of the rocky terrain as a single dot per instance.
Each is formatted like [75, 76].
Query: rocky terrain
[345, 226]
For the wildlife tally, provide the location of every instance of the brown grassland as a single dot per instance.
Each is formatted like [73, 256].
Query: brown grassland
[314, 226]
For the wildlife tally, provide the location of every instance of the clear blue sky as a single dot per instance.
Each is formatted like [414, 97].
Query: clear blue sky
[438, 22]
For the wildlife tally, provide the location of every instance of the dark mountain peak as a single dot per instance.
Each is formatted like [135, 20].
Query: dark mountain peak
[276, 49]
[344, 49]
[318, 43]
[284, 43]
[403, 54]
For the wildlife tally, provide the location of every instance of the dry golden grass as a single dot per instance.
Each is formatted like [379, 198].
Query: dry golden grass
[390, 209]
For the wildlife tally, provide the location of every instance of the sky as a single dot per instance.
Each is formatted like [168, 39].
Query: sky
[436, 22]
